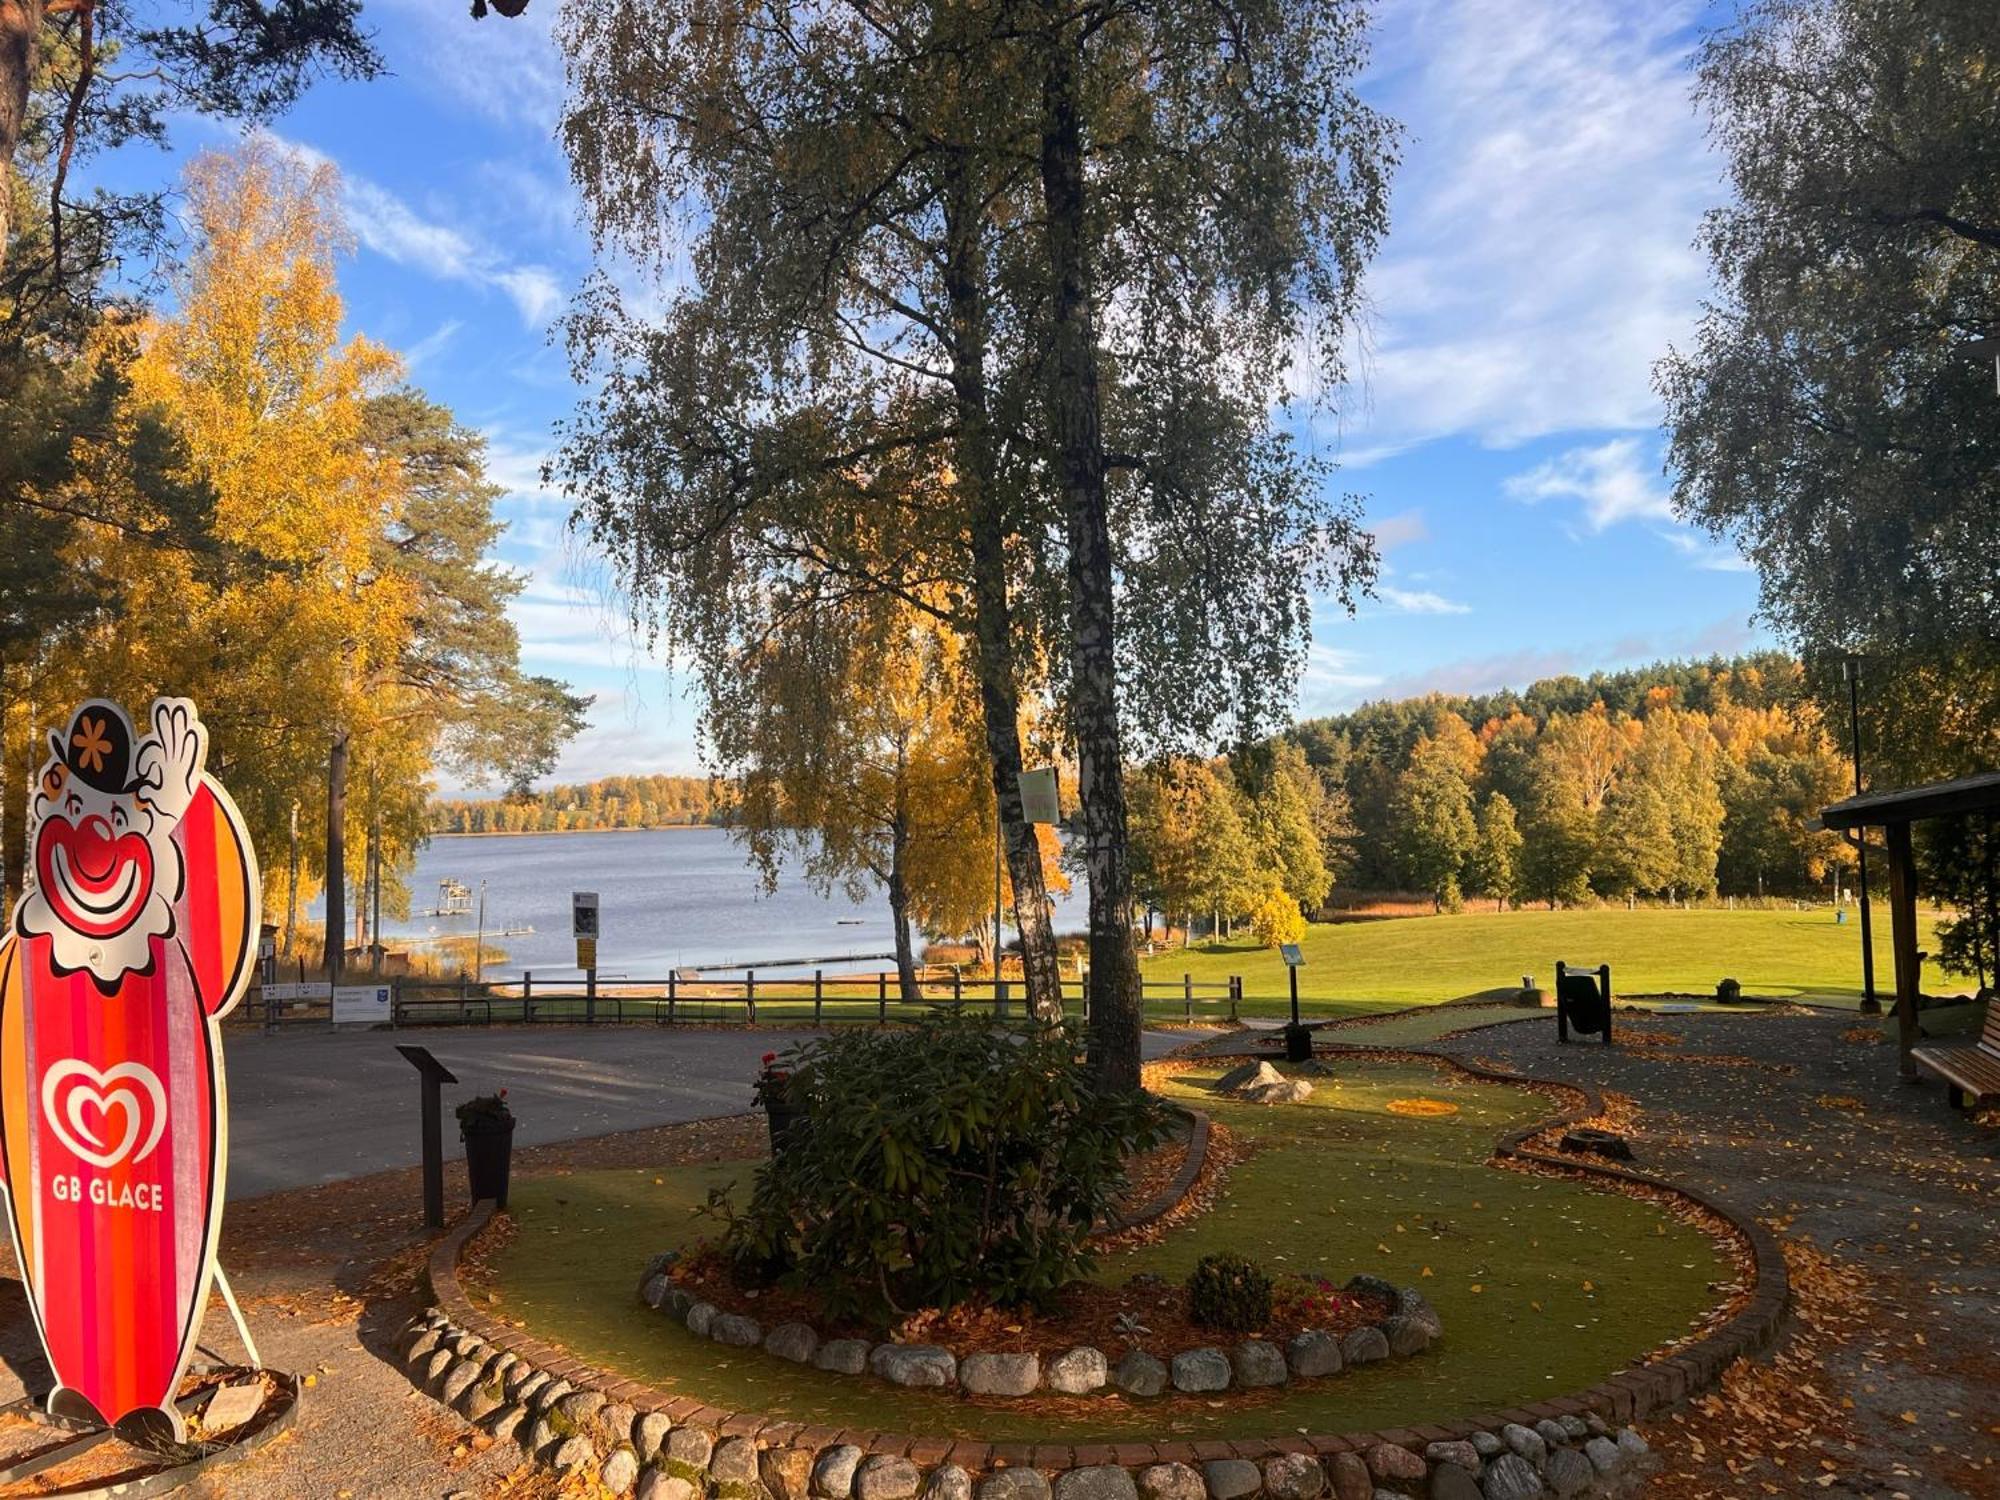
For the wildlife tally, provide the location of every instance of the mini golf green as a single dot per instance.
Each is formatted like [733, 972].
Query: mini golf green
[1545, 1286]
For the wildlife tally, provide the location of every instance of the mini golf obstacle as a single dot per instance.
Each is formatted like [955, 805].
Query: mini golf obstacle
[1583, 1001]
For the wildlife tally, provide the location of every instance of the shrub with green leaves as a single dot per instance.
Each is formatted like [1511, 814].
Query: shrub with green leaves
[962, 1158]
[1228, 1292]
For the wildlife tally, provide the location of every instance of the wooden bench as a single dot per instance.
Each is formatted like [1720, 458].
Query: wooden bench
[1971, 1072]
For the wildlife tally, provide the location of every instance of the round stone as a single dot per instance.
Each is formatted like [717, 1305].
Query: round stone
[881, 1477]
[581, 1406]
[573, 1455]
[1363, 1346]
[1411, 1303]
[459, 1379]
[999, 1374]
[793, 1341]
[1313, 1354]
[1569, 1472]
[692, 1446]
[480, 1401]
[1350, 1477]
[1096, 1482]
[1171, 1482]
[1450, 1482]
[621, 1471]
[616, 1420]
[506, 1421]
[734, 1462]
[950, 1482]
[654, 1292]
[1574, 1428]
[1077, 1372]
[1256, 1363]
[658, 1484]
[1388, 1461]
[1198, 1370]
[421, 1346]
[437, 1364]
[548, 1395]
[1526, 1442]
[842, 1356]
[1631, 1444]
[1406, 1336]
[786, 1472]
[1488, 1444]
[1293, 1476]
[1140, 1374]
[833, 1474]
[1603, 1454]
[700, 1317]
[914, 1365]
[1551, 1432]
[1459, 1454]
[649, 1431]
[1511, 1477]
[1013, 1484]
[735, 1330]
[1231, 1478]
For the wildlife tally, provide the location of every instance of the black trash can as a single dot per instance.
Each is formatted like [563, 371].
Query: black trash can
[489, 1156]
[1298, 1043]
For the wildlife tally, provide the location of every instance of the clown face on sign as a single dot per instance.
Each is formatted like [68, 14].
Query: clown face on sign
[133, 941]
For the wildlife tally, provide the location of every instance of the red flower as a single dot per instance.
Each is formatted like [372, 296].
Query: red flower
[769, 1058]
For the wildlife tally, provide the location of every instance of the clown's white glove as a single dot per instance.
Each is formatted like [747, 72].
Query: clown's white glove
[170, 759]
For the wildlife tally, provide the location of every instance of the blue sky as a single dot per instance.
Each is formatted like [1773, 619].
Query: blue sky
[1503, 427]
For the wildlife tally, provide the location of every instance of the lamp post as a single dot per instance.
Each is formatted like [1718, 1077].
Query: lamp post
[1850, 670]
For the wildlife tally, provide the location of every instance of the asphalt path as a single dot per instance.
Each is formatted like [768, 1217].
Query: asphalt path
[312, 1107]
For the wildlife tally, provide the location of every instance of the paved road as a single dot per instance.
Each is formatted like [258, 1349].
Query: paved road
[313, 1107]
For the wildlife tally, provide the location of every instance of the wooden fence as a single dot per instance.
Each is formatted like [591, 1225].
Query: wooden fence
[571, 999]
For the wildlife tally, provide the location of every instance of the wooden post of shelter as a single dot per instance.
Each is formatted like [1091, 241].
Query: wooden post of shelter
[1893, 812]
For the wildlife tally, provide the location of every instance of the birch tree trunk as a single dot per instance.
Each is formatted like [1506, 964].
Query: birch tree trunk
[993, 627]
[1076, 428]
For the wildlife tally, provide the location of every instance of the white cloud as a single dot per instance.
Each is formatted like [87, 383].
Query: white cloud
[1610, 480]
[1399, 530]
[1540, 254]
[392, 229]
[431, 344]
[1704, 554]
[1419, 601]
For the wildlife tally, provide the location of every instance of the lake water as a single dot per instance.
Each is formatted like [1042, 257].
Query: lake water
[668, 898]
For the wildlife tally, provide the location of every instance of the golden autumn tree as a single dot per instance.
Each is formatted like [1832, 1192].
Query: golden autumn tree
[854, 731]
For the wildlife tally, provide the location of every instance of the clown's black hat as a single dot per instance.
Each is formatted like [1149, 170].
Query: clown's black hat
[98, 747]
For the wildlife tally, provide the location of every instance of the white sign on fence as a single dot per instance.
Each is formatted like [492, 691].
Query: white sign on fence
[583, 914]
[292, 991]
[361, 1005]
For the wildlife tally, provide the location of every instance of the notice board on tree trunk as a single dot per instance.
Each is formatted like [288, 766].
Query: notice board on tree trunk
[136, 936]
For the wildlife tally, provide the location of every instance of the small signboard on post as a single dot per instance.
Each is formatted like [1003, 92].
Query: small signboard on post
[1298, 1040]
[583, 927]
[361, 1005]
[1291, 955]
[1041, 795]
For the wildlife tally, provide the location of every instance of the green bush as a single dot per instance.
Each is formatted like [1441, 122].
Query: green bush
[1229, 1293]
[959, 1159]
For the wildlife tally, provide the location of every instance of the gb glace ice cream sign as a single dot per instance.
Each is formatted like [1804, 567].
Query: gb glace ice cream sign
[135, 937]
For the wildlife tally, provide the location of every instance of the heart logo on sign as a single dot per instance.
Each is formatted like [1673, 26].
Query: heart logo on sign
[81, 1116]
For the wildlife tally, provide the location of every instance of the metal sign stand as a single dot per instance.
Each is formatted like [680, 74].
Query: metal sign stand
[1298, 1037]
[434, 1075]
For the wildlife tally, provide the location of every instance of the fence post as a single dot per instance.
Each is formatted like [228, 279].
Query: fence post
[1187, 996]
[527, 996]
[395, 1001]
[999, 995]
[819, 993]
[1235, 996]
[672, 979]
[957, 988]
[461, 997]
[750, 992]
[881, 996]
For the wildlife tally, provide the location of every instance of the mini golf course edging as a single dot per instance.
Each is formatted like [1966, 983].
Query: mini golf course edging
[572, 1415]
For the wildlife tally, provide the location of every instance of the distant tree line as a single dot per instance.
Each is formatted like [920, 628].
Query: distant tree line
[613, 802]
[1678, 780]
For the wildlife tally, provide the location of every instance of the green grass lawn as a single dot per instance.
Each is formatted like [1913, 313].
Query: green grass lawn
[1420, 960]
[1544, 1286]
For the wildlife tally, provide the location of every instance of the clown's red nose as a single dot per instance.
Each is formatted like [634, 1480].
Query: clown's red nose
[94, 853]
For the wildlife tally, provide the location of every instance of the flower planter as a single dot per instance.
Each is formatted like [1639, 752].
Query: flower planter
[489, 1154]
[784, 1117]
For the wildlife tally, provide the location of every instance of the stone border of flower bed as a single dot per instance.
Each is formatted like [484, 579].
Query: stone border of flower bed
[1411, 1327]
[658, 1446]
